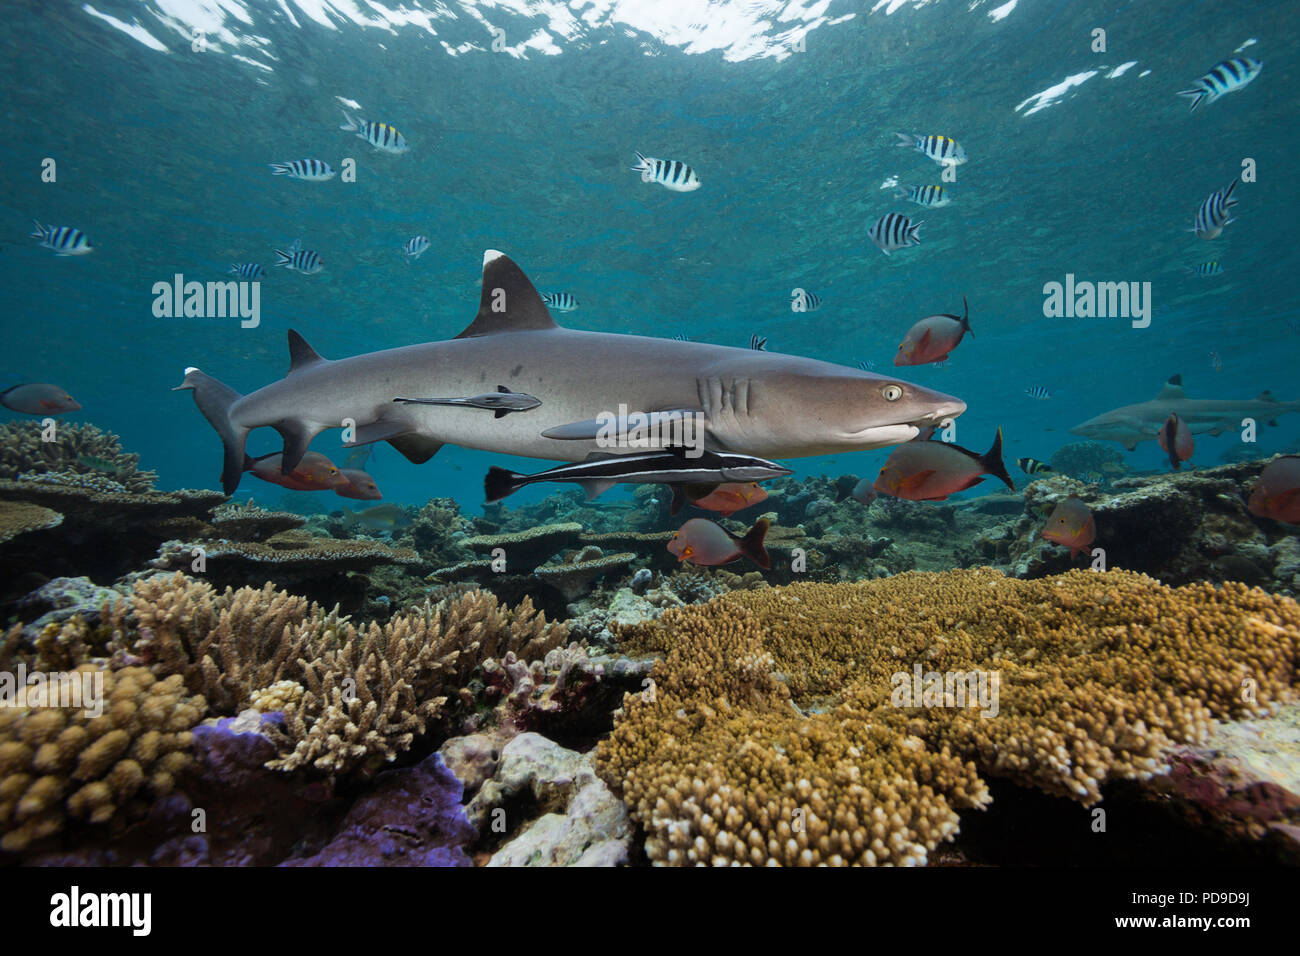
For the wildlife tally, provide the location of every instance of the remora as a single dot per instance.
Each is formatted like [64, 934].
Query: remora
[1141, 422]
[757, 403]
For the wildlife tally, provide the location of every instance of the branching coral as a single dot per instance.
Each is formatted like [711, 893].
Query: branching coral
[60, 763]
[79, 449]
[1096, 675]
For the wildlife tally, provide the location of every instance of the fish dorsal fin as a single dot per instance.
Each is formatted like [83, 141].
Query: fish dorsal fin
[301, 355]
[508, 301]
[1266, 396]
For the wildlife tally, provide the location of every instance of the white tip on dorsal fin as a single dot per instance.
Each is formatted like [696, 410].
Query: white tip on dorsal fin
[508, 302]
[190, 368]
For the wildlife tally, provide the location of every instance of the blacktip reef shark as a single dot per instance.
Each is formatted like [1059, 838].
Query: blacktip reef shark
[1142, 422]
[765, 404]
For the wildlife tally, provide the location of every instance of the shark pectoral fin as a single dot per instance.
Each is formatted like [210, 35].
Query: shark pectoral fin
[417, 448]
[596, 487]
[377, 431]
[501, 413]
[508, 302]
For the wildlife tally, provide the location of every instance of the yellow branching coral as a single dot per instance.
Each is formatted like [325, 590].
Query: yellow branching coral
[1094, 675]
[62, 762]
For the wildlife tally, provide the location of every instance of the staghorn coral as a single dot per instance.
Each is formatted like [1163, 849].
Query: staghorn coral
[76, 450]
[1099, 673]
[59, 763]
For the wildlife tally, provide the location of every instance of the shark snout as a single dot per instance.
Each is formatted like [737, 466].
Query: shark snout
[945, 409]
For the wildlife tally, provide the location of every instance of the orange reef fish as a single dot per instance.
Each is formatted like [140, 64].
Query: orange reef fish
[726, 499]
[933, 470]
[360, 485]
[314, 473]
[932, 338]
[1277, 492]
[1176, 440]
[702, 542]
[1071, 524]
[38, 399]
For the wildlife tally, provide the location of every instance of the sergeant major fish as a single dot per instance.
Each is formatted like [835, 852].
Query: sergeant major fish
[1227, 77]
[415, 247]
[560, 301]
[308, 170]
[894, 231]
[942, 149]
[64, 240]
[669, 173]
[1214, 213]
[381, 136]
[246, 270]
[298, 259]
[932, 197]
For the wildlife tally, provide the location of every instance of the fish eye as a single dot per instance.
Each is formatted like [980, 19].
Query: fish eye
[892, 393]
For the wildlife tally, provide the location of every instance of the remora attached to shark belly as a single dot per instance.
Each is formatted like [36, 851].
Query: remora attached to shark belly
[1132, 424]
[764, 404]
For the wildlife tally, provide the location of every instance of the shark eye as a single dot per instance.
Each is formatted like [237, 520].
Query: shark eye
[892, 393]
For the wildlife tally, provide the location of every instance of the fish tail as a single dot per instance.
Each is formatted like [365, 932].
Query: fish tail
[679, 499]
[914, 232]
[214, 400]
[1196, 95]
[283, 258]
[501, 483]
[41, 231]
[751, 545]
[642, 164]
[280, 169]
[965, 317]
[349, 123]
[906, 140]
[992, 462]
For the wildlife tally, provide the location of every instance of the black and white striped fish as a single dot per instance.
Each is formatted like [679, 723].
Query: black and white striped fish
[805, 301]
[895, 231]
[247, 270]
[682, 337]
[1032, 466]
[379, 135]
[1206, 269]
[310, 170]
[757, 342]
[867, 365]
[602, 471]
[64, 240]
[560, 301]
[1228, 77]
[942, 149]
[669, 173]
[932, 197]
[298, 259]
[1214, 213]
[414, 247]
[1038, 392]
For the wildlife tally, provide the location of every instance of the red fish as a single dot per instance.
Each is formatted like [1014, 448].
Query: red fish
[1277, 491]
[38, 399]
[726, 499]
[360, 485]
[933, 470]
[932, 338]
[1071, 524]
[314, 473]
[702, 542]
[1176, 440]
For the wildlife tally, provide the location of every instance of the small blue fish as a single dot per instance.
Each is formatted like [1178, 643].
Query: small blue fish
[308, 170]
[298, 259]
[560, 301]
[64, 240]
[1206, 269]
[247, 270]
[415, 247]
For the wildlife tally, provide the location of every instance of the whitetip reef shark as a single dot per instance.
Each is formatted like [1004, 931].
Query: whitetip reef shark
[765, 404]
[1142, 422]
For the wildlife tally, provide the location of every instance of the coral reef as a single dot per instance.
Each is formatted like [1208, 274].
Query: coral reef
[774, 731]
[60, 764]
[76, 449]
[1089, 461]
[580, 570]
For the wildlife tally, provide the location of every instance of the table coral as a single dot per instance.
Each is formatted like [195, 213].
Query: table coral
[80, 449]
[1099, 674]
[60, 763]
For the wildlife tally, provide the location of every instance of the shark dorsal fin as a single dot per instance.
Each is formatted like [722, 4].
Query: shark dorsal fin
[1173, 389]
[301, 355]
[506, 288]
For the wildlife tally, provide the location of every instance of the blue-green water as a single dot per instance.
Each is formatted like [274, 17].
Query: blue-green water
[161, 153]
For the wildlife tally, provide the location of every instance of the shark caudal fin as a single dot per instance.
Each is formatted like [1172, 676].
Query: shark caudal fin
[214, 400]
[501, 483]
[751, 545]
[992, 461]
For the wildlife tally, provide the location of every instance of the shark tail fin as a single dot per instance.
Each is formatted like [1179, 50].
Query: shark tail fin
[214, 400]
[992, 462]
[501, 483]
[751, 545]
